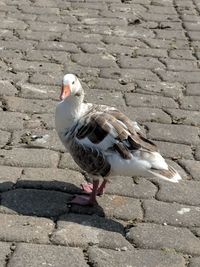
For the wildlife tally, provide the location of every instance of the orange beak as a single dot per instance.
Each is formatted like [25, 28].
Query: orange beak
[65, 92]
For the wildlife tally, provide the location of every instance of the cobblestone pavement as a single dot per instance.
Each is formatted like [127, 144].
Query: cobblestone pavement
[141, 56]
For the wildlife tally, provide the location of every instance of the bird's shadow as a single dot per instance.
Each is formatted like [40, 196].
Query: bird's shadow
[51, 199]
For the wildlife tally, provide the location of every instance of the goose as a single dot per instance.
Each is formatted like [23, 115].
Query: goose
[104, 142]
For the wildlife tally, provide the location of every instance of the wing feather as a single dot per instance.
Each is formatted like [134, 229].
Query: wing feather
[102, 131]
[111, 129]
[90, 159]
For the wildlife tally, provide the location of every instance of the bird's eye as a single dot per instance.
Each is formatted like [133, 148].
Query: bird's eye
[73, 82]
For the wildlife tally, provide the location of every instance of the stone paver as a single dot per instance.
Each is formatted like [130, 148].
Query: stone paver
[38, 138]
[191, 103]
[194, 262]
[50, 178]
[175, 151]
[34, 202]
[38, 91]
[123, 208]
[150, 258]
[193, 89]
[8, 177]
[29, 105]
[173, 90]
[143, 114]
[140, 56]
[184, 117]
[4, 253]
[13, 120]
[171, 213]
[40, 255]
[141, 188]
[192, 167]
[45, 120]
[91, 230]
[112, 206]
[186, 192]
[197, 153]
[153, 236]
[140, 100]
[23, 157]
[31, 229]
[4, 138]
[173, 133]
[7, 88]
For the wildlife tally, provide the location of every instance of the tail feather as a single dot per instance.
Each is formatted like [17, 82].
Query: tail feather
[170, 175]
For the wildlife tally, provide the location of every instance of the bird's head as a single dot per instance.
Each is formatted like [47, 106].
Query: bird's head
[71, 86]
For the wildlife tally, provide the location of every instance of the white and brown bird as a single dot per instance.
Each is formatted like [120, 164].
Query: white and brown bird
[104, 142]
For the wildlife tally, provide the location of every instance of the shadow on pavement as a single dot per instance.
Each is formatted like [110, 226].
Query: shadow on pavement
[51, 199]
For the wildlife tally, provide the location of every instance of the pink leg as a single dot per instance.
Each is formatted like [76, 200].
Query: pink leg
[87, 200]
[101, 188]
[94, 191]
[87, 187]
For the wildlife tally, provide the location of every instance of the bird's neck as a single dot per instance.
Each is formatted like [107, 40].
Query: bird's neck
[72, 104]
[68, 113]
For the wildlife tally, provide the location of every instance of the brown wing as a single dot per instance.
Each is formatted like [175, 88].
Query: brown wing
[103, 131]
[126, 137]
[90, 159]
[136, 137]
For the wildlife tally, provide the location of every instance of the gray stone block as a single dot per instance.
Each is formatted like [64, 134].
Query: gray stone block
[46, 120]
[90, 230]
[174, 90]
[171, 213]
[127, 186]
[153, 101]
[30, 105]
[34, 202]
[184, 117]
[191, 103]
[151, 258]
[16, 228]
[58, 46]
[185, 192]
[34, 66]
[113, 206]
[191, 166]
[139, 62]
[34, 255]
[6, 88]
[13, 120]
[197, 153]
[174, 133]
[194, 262]
[154, 236]
[4, 138]
[38, 138]
[128, 75]
[4, 253]
[31, 157]
[143, 114]
[8, 177]
[193, 89]
[174, 151]
[51, 179]
[114, 99]
[97, 61]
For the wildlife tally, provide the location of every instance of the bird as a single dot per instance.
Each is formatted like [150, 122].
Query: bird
[104, 142]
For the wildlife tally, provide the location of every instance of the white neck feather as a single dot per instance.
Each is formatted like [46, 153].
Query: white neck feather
[67, 113]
